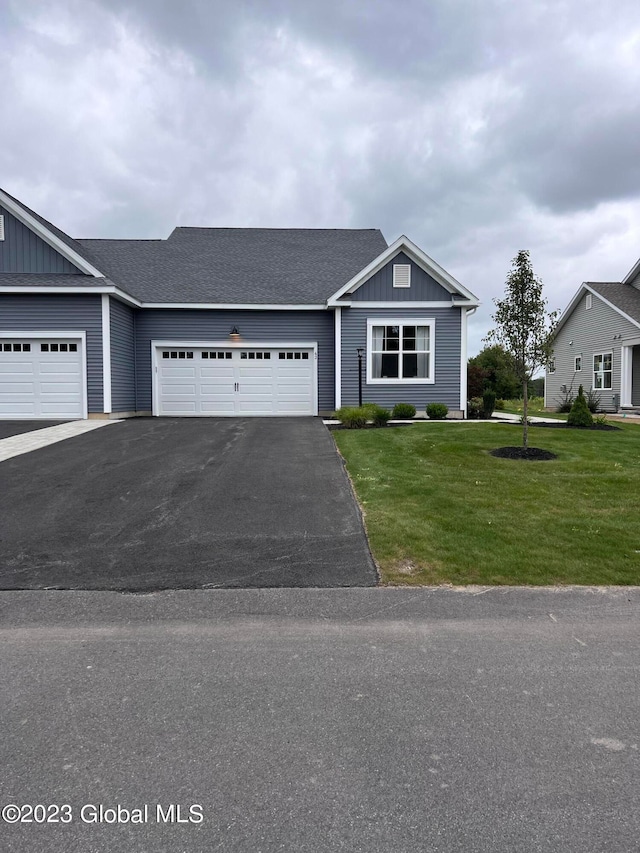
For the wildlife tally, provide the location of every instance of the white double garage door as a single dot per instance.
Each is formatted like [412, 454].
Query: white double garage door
[223, 380]
[42, 376]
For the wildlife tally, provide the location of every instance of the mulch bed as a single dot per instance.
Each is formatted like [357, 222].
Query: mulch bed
[534, 454]
[334, 427]
[564, 425]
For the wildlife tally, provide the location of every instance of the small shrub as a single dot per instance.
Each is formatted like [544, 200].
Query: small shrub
[593, 400]
[370, 410]
[499, 406]
[352, 417]
[474, 407]
[580, 416]
[488, 403]
[404, 410]
[381, 416]
[565, 400]
[600, 420]
[437, 411]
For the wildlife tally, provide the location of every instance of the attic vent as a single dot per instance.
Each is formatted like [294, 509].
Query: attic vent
[1, 226]
[589, 301]
[402, 275]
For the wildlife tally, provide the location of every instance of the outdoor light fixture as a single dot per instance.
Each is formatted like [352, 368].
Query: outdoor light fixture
[234, 334]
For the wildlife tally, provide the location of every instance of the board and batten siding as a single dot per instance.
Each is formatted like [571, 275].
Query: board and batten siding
[64, 313]
[123, 357]
[379, 288]
[447, 333]
[586, 332]
[23, 251]
[254, 326]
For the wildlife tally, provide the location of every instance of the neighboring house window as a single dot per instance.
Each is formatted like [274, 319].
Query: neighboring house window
[401, 275]
[602, 370]
[552, 366]
[588, 301]
[400, 350]
[578, 363]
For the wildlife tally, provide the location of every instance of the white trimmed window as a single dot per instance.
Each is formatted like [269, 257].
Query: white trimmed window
[603, 370]
[552, 365]
[578, 364]
[588, 301]
[400, 351]
[402, 275]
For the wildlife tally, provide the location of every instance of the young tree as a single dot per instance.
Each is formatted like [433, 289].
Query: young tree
[523, 326]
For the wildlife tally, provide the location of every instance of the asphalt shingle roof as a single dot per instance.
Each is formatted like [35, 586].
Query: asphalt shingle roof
[626, 297]
[296, 266]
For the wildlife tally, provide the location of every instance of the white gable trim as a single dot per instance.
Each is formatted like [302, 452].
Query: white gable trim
[403, 244]
[48, 236]
[633, 272]
[584, 288]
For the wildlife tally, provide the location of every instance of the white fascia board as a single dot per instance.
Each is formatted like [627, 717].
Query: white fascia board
[400, 305]
[584, 288]
[403, 244]
[48, 236]
[228, 306]
[85, 291]
[633, 272]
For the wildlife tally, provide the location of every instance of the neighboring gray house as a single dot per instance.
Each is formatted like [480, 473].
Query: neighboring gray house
[222, 321]
[598, 344]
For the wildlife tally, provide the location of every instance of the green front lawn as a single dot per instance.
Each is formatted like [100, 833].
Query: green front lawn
[439, 508]
[535, 408]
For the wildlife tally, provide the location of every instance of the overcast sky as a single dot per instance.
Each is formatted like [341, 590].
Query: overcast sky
[476, 128]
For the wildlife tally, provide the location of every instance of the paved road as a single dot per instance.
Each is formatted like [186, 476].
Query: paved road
[183, 503]
[364, 720]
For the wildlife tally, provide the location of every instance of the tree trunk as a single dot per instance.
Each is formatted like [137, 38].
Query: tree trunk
[525, 419]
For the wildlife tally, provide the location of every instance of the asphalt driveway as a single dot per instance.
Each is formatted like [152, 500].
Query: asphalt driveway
[154, 504]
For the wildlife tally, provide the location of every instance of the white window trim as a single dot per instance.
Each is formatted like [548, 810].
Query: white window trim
[402, 321]
[602, 372]
[577, 369]
[396, 273]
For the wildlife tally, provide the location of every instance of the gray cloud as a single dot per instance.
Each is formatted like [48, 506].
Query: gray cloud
[475, 129]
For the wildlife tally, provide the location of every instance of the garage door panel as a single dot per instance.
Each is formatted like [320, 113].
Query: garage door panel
[260, 382]
[38, 380]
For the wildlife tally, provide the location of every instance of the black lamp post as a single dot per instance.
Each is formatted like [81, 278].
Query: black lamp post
[360, 351]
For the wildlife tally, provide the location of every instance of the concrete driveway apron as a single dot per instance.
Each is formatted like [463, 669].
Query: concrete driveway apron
[183, 504]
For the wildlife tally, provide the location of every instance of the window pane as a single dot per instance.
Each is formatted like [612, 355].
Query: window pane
[392, 338]
[597, 362]
[409, 338]
[377, 338]
[597, 380]
[607, 361]
[409, 366]
[389, 366]
[423, 365]
[422, 338]
[376, 365]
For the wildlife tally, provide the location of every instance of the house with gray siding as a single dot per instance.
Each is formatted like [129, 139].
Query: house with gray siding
[597, 345]
[223, 322]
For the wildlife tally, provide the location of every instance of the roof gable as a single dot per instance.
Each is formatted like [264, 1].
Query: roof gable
[48, 233]
[622, 298]
[404, 245]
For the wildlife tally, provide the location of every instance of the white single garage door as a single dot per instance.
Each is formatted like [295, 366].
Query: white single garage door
[41, 378]
[250, 381]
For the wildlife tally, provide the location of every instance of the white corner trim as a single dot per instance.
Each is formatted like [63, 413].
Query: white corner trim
[106, 353]
[463, 361]
[403, 244]
[48, 236]
[338, 356]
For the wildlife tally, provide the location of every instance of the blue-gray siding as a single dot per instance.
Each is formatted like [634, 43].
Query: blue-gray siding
[263, 326]
[379, 288]
[35, 313]
[23, 251]
[586, 332]
[123, 357]
[446, 388]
